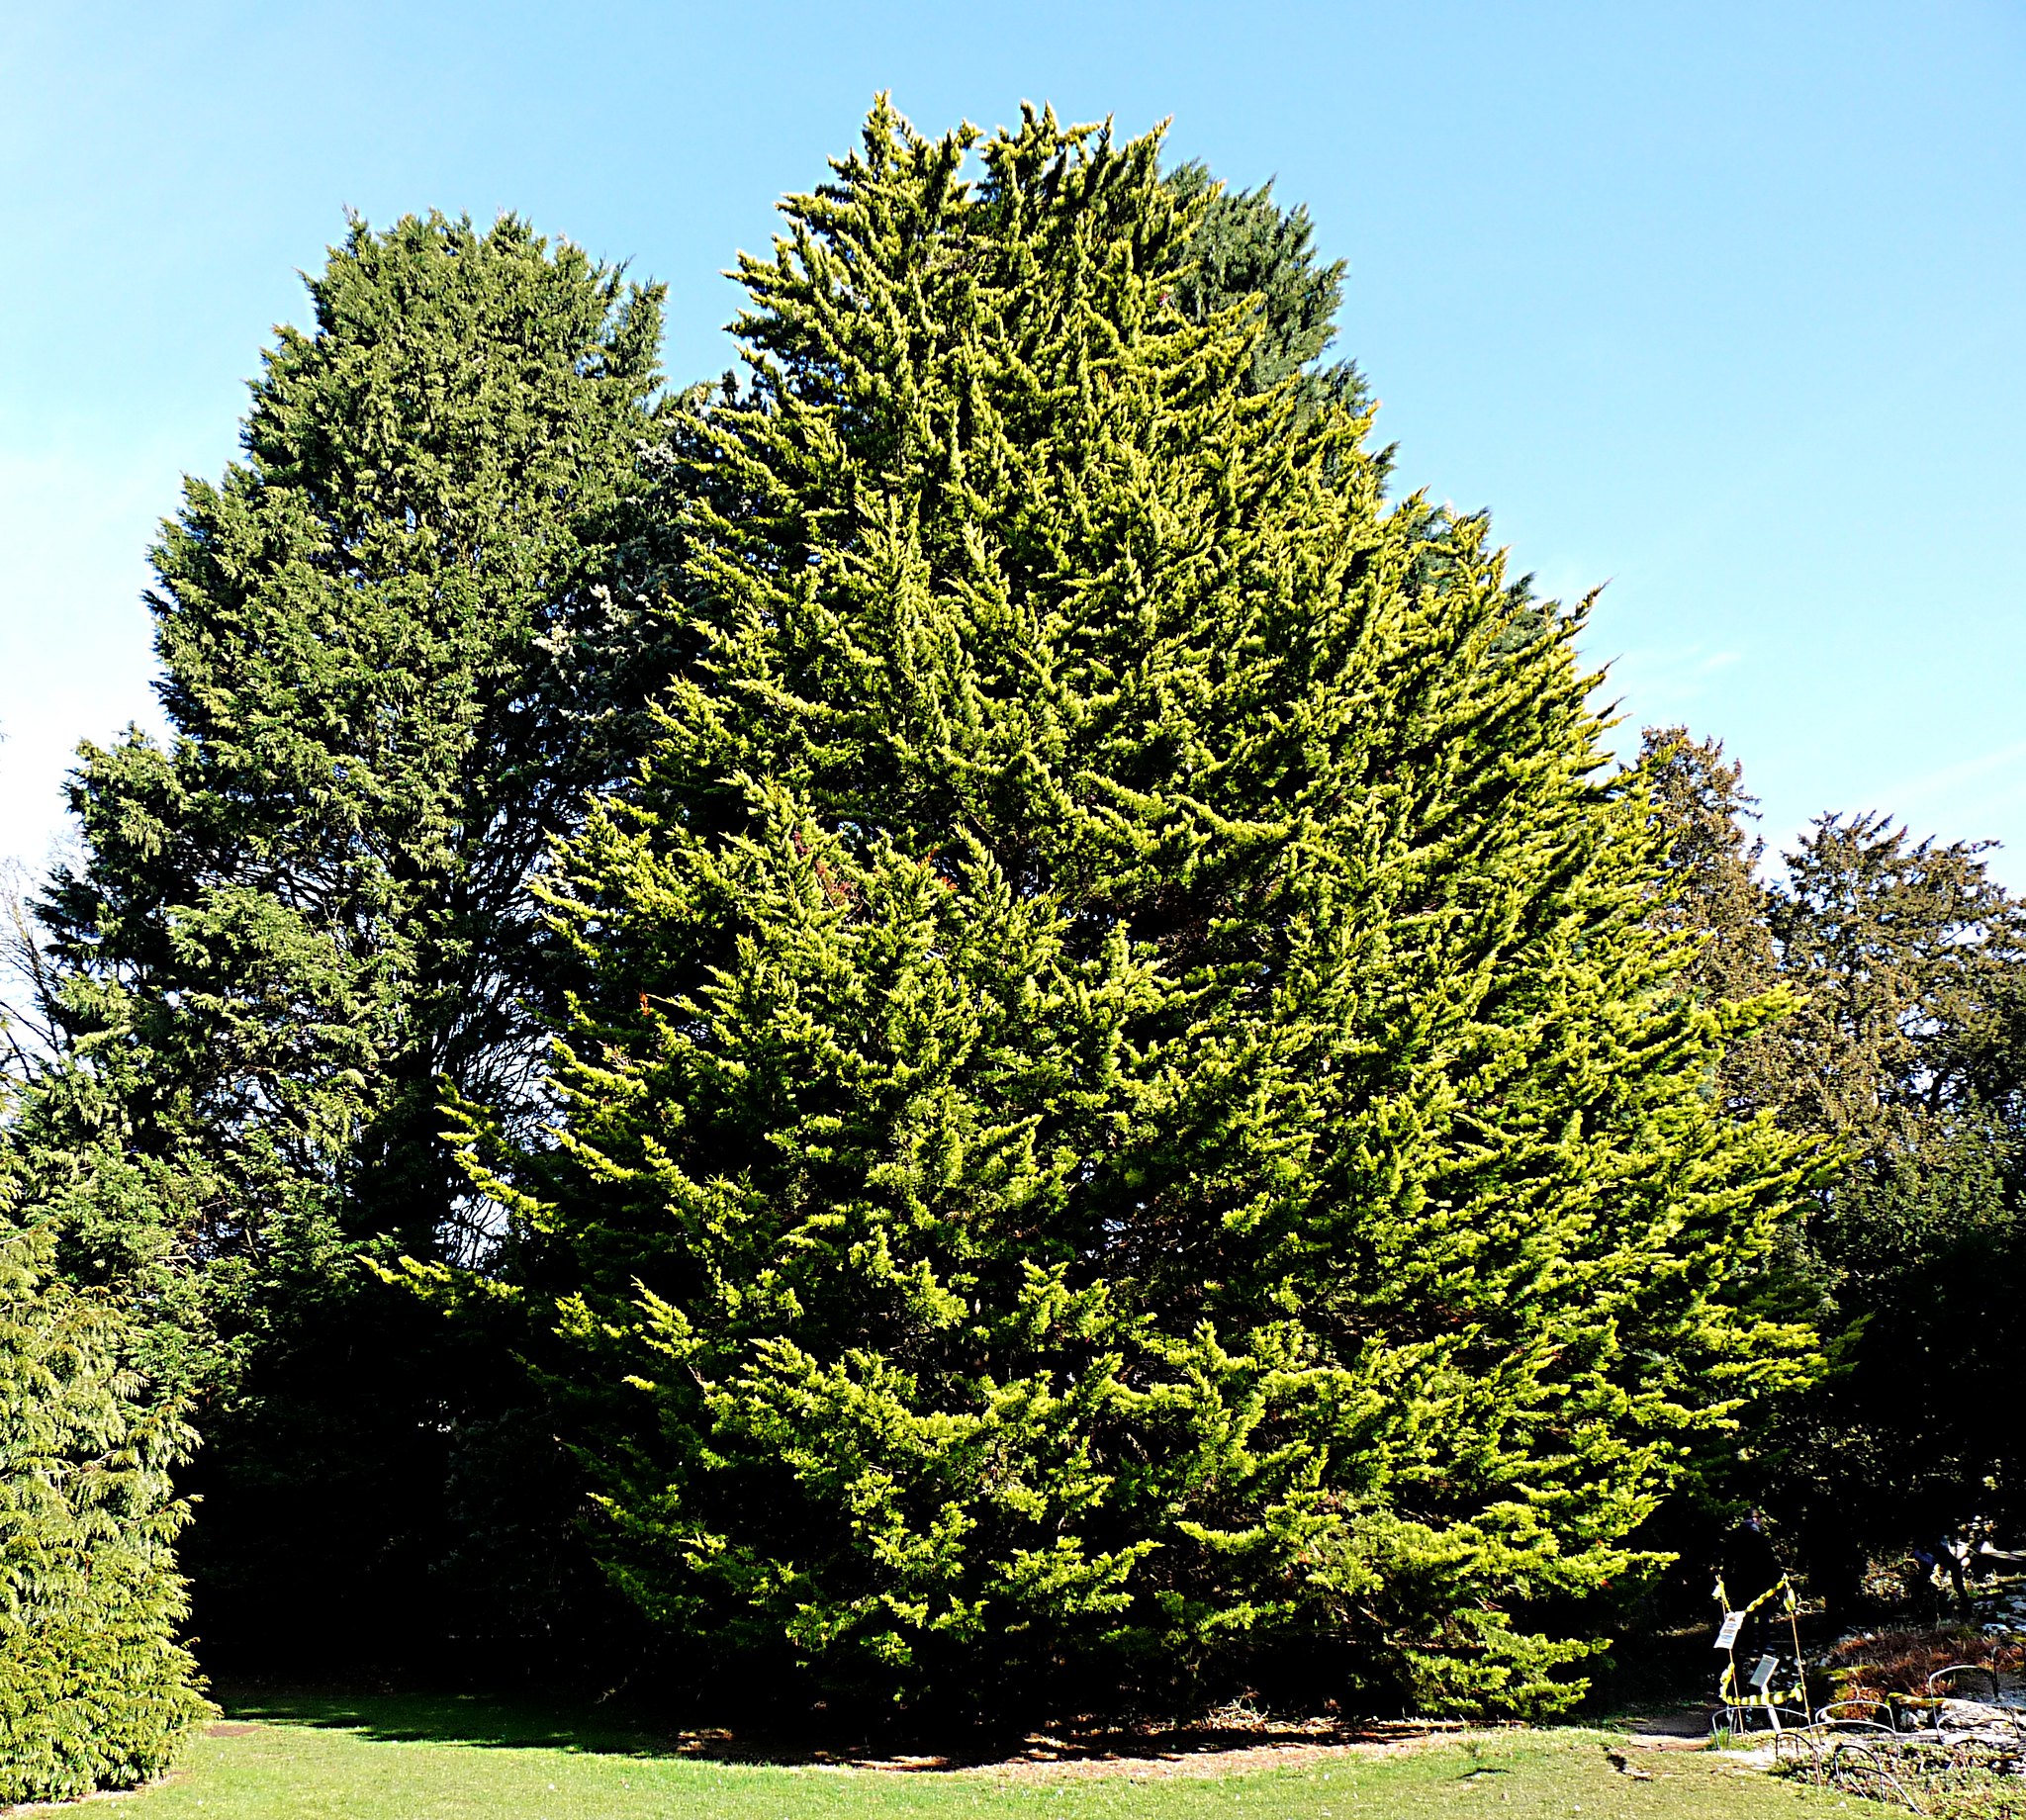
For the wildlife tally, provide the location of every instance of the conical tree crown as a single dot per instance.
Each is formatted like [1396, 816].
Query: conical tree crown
[306, 906]
[1134, 1111]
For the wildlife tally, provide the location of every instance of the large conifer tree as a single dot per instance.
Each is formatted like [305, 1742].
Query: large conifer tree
[1132, 1108]
[308, 908]
[398, 644]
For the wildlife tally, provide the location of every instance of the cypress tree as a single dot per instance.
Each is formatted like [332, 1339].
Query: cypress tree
[1130, 1114]
[1712, 893]
[307, 908]
[1246, 251]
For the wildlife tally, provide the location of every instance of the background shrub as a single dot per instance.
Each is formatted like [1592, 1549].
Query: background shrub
[95, 1690]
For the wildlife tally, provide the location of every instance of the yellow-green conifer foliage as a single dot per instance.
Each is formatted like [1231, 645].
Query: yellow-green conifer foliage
[1134, 1120]
[96, 1692]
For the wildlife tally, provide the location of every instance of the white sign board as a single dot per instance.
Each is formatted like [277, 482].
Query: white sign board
[1733, 1622]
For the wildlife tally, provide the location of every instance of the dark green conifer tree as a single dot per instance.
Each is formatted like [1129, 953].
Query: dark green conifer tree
[1246, 251]
[1131, 1113]
[1908, 960]
[1902, 965]
[308, 908]
[1711, 891]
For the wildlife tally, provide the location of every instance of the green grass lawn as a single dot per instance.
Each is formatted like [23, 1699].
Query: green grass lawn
[416, 1760]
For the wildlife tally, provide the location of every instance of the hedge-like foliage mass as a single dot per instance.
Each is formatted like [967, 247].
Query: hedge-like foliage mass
[95, 1690]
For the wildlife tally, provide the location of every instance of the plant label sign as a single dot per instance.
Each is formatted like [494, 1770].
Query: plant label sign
[1727, 1635]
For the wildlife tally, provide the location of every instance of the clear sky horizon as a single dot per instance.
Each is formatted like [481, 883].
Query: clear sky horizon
[1721, 303]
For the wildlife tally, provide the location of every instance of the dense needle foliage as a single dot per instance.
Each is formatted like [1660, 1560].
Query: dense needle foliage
[308, 909]
[1910, 960]
[398, 642]
[1131, 1113]
[1246, 251]
[95, 1690]
[1903, 963]
[1137, 1109]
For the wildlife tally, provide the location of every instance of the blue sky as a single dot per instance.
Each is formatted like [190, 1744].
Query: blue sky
[1721, 305]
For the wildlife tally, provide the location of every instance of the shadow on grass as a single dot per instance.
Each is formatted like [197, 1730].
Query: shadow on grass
[509, 1724]
[454, 1718]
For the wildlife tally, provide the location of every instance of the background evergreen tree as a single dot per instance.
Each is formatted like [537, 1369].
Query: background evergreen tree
[1131, 1112]
[1711, 891]
[1246, 251]
[1909, 959]
[1901, 965]
[308, 908]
